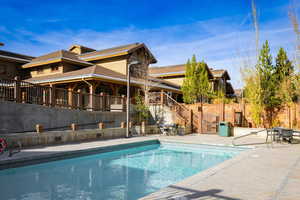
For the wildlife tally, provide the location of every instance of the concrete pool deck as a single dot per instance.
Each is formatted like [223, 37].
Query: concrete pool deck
[265, 172]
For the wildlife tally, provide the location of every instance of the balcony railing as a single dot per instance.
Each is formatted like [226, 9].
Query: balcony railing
[25, 92]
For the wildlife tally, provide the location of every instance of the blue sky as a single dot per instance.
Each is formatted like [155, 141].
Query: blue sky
[219, 32]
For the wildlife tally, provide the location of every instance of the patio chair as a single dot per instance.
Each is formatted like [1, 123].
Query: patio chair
[280, 134]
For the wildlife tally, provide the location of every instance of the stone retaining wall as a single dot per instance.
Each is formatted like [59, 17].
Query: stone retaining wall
[60, 137]
[17, 117]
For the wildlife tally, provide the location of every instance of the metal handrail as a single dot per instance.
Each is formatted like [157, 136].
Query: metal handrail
[251, 133]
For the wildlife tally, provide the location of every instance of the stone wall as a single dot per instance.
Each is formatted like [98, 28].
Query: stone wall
[60, 137]
[16, 117]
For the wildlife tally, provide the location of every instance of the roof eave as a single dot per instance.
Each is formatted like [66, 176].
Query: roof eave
[19, 60]
[142, 45]
[99, 76]
[103, 57]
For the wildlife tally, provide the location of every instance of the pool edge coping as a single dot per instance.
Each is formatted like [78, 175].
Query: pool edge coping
[68, 154]
[202, 175]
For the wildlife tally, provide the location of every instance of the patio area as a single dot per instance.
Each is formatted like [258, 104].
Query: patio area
[265, 171]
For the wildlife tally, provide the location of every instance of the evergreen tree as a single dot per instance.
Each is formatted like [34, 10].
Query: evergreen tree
[196, 84]
[269, 86]
[187, 83]
[203, 86]
[286, 79]
[283, 67]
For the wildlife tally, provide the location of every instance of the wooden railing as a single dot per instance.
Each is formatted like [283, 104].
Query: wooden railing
[25, 92]
[199, 122]
[182, 113]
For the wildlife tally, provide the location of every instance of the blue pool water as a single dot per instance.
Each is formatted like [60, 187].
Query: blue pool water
[126, 174]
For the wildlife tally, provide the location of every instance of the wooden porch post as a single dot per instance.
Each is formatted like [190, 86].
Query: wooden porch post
[52, 95]
[17, 91]
[101, 101]
[79, 99]
[71, 100]
[233, 116]
[191, 120]
[114, 89]
[92, 98]
[200, 116]
[162, 97]
[123, 103]
[222, 111]
[70, 97]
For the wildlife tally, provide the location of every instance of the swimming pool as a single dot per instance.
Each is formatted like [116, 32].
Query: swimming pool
[123, 174]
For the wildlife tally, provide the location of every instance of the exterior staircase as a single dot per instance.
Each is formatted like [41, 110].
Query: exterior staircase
[166, 110]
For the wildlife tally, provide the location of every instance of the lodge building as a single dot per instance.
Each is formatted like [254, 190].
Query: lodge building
[93, 72]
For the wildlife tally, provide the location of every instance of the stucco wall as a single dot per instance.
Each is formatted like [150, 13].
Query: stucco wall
[116, 65]
[46, 70]
[15, 117]
[178, 81]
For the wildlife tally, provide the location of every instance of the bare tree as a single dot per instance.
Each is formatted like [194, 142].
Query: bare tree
[255, 23]
[295, 23]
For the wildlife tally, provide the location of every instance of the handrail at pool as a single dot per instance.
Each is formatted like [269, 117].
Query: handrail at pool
[251, 133]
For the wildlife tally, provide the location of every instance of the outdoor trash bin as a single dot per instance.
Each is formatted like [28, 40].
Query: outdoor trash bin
[224, 129]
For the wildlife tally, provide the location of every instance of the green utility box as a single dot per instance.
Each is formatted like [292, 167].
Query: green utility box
[225, 129]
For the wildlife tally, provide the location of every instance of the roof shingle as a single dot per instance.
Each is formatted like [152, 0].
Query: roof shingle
[57, 56]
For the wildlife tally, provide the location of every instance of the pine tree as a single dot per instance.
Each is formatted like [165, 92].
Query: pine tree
[286, 79]
[283, 67]
[196, 84]
[203, 86]
[187, 83]
[269, 87]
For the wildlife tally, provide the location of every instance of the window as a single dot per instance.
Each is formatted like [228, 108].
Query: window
[54, 68]
[40, 70]
[238, 119]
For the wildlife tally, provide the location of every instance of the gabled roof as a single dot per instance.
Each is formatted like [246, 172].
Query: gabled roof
[95, 71]
[57, 56]
[83, 48]
[115, 51]
[229, 89]
[154, 79]
[16, 57]
[219, 73]
[171, 70]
